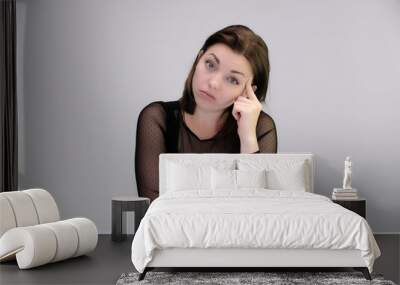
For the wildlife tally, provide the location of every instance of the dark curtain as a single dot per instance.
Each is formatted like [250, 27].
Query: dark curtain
[8, 99]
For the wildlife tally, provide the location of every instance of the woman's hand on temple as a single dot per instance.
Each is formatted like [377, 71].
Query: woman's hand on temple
[246, 110]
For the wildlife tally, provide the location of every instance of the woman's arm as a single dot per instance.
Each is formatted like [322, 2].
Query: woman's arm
[150, 142]
[266, 134]
[256, 129]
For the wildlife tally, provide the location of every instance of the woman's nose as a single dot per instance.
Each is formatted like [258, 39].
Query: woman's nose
[214, 82]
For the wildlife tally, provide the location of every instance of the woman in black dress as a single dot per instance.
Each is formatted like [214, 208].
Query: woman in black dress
[220, 110]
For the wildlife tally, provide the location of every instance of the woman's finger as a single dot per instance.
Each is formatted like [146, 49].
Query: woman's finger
[250, 91]
[243, 99]
[235, 114]
[237, 108]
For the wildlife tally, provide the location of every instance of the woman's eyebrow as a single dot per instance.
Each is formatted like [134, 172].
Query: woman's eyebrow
[233, 71]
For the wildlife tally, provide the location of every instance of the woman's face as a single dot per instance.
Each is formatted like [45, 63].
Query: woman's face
[222, 74]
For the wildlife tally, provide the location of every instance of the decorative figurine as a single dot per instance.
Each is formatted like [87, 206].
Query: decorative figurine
[347, 174]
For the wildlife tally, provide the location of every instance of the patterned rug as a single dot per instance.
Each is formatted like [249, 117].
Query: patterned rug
[243, 278]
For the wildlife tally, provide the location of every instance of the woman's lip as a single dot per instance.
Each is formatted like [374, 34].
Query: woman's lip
[205, 93]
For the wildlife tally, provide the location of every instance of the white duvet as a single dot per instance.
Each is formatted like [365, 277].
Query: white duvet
[250, 218]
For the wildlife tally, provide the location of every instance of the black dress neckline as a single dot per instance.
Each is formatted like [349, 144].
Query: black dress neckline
[196, 136]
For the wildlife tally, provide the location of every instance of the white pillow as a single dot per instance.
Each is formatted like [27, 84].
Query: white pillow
[251, 178]
[223, 179]
[181, 178]
[291, 178]
[281, 174]
[236, 179]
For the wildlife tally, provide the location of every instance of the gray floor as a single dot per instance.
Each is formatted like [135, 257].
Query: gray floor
[110, 259]
[102, 266]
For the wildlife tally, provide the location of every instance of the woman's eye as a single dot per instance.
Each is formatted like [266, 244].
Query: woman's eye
[209, 63]
[234, 80]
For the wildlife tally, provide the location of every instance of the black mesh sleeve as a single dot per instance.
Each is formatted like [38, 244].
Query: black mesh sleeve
[266, 134]
[150, 142]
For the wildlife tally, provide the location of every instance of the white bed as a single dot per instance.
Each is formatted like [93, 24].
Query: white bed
[199, 226]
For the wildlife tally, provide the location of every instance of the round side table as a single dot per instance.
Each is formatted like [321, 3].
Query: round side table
[121, 204]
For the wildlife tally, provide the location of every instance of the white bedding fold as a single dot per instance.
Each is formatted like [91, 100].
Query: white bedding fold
[251, 218]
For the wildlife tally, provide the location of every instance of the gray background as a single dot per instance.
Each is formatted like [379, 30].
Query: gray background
[87, 68]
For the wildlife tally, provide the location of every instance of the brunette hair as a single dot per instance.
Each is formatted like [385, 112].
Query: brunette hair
[244, 41]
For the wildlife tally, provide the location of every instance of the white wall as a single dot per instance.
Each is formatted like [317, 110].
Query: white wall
[86, 69]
